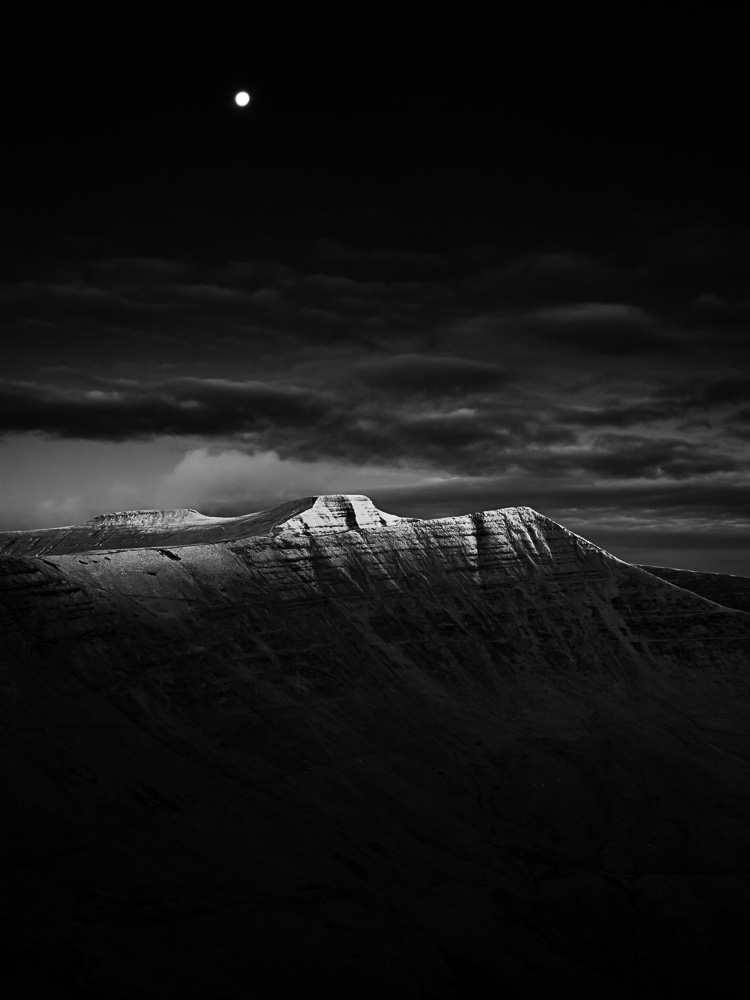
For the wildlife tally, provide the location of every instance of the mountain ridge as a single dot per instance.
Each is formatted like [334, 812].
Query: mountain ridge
[320, 514]
[420, 758]
[188, 526]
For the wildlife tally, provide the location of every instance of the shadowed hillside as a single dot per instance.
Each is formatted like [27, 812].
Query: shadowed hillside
[723, 588]
[323, 748]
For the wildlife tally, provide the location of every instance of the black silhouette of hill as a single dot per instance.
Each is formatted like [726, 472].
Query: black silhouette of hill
[323, 748]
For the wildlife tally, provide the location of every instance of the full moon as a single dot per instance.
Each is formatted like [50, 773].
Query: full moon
[242, 98]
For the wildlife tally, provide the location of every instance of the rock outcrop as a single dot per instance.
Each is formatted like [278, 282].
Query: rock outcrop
[390, 756]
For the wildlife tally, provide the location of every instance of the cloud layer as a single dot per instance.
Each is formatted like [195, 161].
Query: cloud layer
[569, 381]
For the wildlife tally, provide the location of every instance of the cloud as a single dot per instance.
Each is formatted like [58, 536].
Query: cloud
[634, 456]
[415, 412]
[620, 414]
[456, 428]
[723, 391]
[78, 301]
[123, 409]
[448, 305]
[350, 425]
[229, 482]
[414, 373]
[601, 328]
[620, 457]
[694, 402]
[717, 503]
[548, 277]
[462, 378]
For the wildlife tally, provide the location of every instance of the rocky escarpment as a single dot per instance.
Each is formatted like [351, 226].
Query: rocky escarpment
[411, 758]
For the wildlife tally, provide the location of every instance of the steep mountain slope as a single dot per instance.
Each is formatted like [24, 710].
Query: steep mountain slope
[382, 756]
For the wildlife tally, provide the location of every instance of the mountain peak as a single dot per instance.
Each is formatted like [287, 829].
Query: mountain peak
[339, 512]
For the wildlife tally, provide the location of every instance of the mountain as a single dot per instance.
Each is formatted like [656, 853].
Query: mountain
[326, 748]
[722, 588]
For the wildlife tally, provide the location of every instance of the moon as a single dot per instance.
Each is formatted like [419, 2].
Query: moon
[242, 98]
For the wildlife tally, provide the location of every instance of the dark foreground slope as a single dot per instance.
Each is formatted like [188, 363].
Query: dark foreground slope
[470, 757]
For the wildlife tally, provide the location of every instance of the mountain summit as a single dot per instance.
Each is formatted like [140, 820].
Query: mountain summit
[393, 756]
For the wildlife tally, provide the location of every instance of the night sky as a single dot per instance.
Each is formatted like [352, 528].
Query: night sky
[451, 275]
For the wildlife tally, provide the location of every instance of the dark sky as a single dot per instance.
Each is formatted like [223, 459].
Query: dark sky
[451, 274]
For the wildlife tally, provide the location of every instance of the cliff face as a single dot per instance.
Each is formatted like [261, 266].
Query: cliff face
[401, 757]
